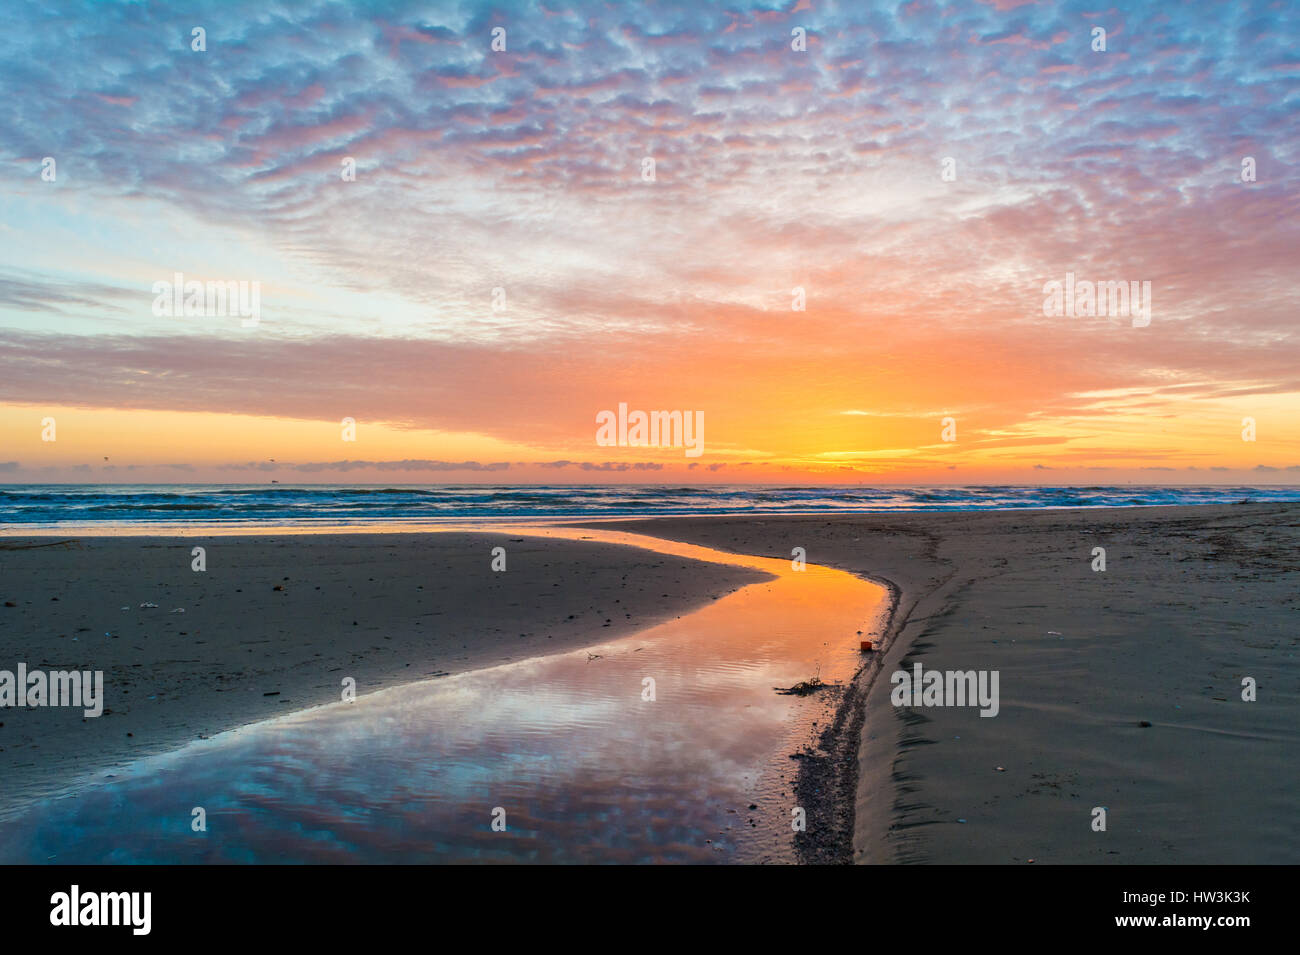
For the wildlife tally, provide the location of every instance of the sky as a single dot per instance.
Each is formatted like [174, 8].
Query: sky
[825, 230]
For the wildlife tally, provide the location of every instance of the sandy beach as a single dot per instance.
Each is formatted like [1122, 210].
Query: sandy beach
[1193, 599]
[1119, 689]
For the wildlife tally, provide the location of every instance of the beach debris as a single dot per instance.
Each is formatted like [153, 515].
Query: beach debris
[593, 656]
[147, 606]
[802, 688]
[178, 610]
[867, 645]
[1001, 769]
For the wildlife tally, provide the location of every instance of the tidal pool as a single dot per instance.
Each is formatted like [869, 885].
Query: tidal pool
[570, 750]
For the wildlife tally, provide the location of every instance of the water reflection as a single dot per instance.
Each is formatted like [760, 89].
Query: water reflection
[586, 768]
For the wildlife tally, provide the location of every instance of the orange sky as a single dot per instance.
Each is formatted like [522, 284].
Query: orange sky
[143, 446]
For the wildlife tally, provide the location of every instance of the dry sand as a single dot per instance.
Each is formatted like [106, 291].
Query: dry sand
[291, 616]
[1192, 600]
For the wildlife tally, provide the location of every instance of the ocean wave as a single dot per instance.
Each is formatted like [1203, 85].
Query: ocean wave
[33, 505]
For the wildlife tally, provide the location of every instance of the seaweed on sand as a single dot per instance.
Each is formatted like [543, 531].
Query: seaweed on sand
[804, 687]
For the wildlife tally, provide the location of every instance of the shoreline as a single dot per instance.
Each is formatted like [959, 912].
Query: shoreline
[471, 524]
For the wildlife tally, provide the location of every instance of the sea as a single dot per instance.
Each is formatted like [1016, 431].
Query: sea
[52, 506]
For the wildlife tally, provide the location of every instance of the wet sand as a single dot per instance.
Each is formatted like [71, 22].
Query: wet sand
[275, 623]
[1193, 599]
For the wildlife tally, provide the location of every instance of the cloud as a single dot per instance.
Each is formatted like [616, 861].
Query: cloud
[522, 170]
[34, 295]
[620, 466]
[407, 464]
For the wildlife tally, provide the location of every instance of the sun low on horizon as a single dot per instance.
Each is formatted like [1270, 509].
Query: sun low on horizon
[808, 242]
